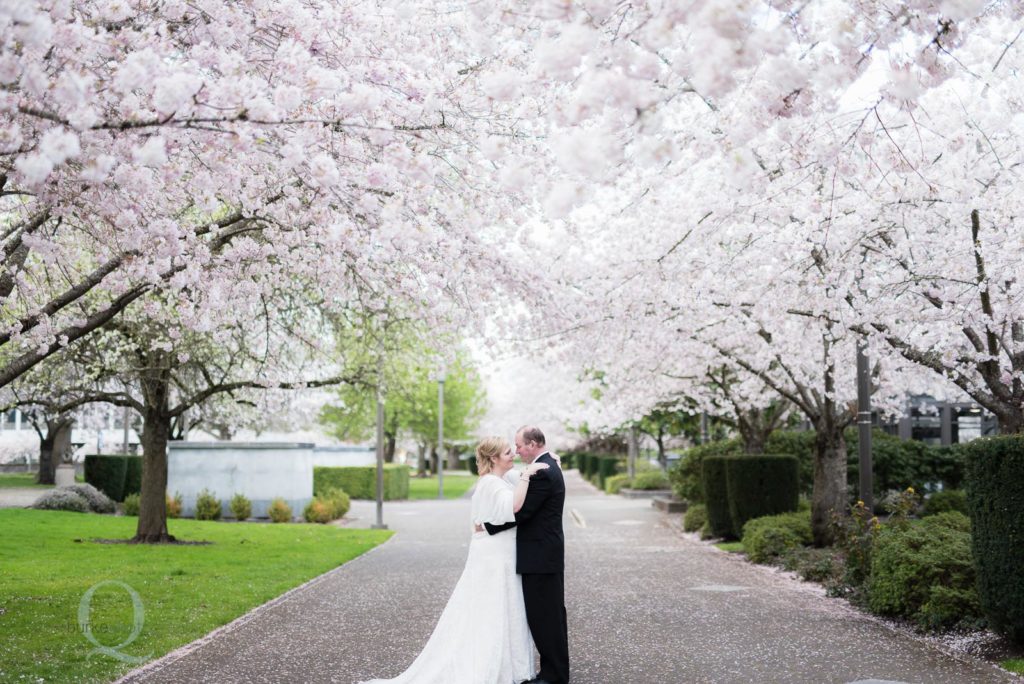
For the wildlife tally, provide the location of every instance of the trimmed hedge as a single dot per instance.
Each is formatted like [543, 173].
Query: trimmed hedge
[107, 474]
[133, 475]
[716, 494]
[607, 466]
[360, 482]
[761, 485]
[995, 497]
[922, 570]
[616, 482]
[471, 464]
[650, 479]
[945, 501]
[685, 476]
[695, 518]
[769, 538]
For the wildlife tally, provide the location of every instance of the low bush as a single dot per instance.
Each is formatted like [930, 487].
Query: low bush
[62, 500]
[207, 506]
[279, 511]
[97, 500]
[855, 536]
[317, 511]
[923, 571]
[339, 502]
[607, 466]
[130, 506]
[240, 507]
[945, 501]
[360, 482]
[650, 479]
[174, 505]
[695, 518]
[616, 482]
[767, 539]
[813, 564]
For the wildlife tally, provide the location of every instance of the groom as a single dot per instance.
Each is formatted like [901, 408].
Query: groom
[540, 558]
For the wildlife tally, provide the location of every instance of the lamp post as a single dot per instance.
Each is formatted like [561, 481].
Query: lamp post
[864, 425]
[379, 525]
[440, 432]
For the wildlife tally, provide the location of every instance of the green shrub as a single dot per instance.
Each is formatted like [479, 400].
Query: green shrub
[132, 475]
[338, 501]
[814, 565]
[716, 493]
[207, 506]
[107, 474]
[62, 500]
[761, 485]
[360, 482]
[768, 538]
[855, 536]
[241, 507]
[945, 501]
[799, 443]
[695, 518]
[174, 505]
[131, 504]
[685, 476]
[616, 482]
[279, 511]
[995, 497]
[97, 500]
[471, 465]
[922, 571]
[317, 511]
[650, 479]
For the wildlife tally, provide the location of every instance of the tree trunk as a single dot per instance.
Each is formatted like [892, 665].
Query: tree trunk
[662, 460]
[53, 446]
[830, 492]
[421, 461]
[1011, 420]
[453, 458]
[389, 447]
[156, 428]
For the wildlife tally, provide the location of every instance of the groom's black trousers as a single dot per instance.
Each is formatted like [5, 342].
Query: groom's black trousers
[544, 596]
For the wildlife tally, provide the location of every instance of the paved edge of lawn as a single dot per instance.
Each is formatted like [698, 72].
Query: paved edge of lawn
[182, 651]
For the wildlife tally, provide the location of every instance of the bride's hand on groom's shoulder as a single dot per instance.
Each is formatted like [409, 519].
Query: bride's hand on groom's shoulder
[533, 468]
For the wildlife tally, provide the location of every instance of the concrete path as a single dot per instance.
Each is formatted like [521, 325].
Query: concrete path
[19, 497]
[645, 605]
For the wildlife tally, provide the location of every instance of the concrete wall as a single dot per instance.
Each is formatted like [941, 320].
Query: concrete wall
[260, 471]
[336, 456]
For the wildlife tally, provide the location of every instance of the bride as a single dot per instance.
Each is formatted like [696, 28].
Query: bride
[482, 636]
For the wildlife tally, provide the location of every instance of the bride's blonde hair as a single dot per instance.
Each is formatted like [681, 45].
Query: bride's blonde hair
[488, 448]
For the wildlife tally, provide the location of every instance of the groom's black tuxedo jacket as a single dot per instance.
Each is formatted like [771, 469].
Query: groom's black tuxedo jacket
[540, 544]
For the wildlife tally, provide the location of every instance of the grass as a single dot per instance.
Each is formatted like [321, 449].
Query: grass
[49, 563]
[1013, 665]
[731, 547]
[454, 486]
[9, 480]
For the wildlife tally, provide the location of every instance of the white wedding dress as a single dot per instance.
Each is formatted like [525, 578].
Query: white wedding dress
[482, 636]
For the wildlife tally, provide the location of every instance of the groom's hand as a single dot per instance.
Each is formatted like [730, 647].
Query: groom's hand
[478, 527]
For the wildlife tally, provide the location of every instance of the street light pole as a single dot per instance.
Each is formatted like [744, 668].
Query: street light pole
[864, 425]
[379, 525]
[440, 435]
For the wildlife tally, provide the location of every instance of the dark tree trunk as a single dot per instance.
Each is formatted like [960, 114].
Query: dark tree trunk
[452, 457]
[389, 448]
[1011, 420]
[660, 439]
[830, 491]
[156, 428]
[52, 447]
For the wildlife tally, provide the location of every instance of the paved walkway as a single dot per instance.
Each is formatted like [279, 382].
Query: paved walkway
[644, 603]
[19, 497]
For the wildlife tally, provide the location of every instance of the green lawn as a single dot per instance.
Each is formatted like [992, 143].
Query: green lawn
[48, 563]
[731, 547]
[1014, 665]
[26, 480]
[20, 480]
[454, 486]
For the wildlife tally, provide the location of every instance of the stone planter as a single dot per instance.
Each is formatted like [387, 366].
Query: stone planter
[669, 504]
[644, 493]
[64, 475]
